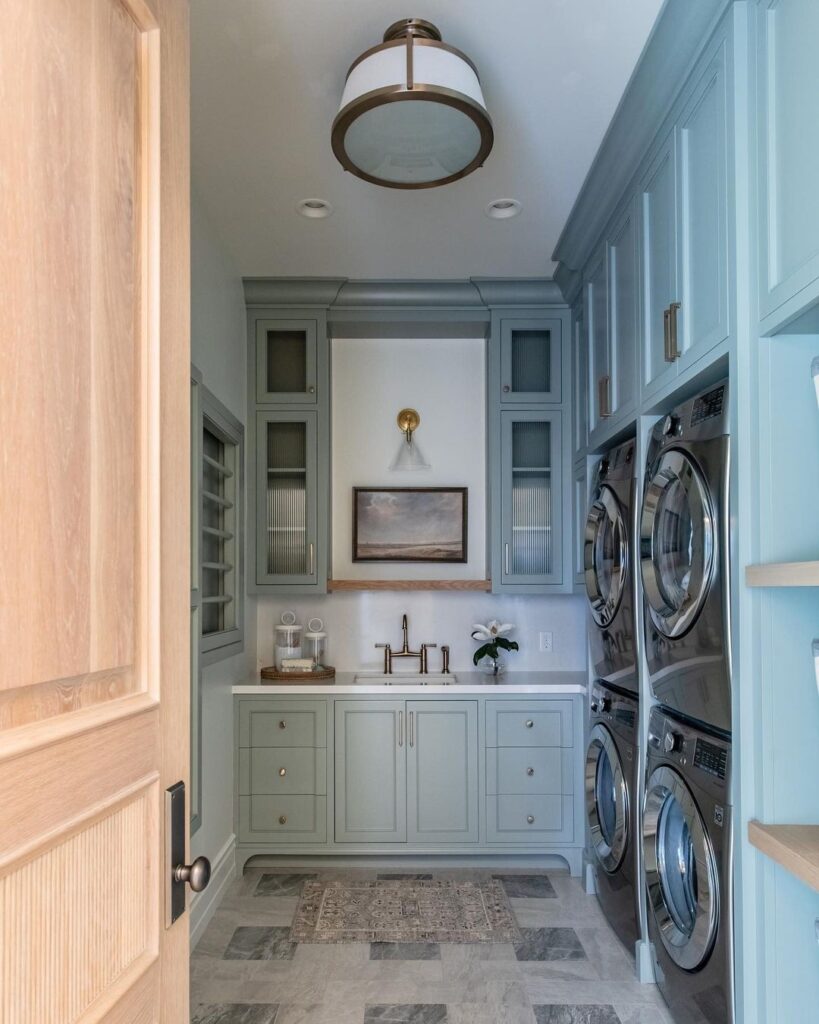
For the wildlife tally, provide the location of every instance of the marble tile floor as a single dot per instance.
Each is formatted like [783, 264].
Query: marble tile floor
[568, 968]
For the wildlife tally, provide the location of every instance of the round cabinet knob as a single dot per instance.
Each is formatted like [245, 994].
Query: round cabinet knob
[282, 772]
[671, 742]
[282, 819]
[197, 875]
[282, 724]
[311, 390]
[506, 389]
[530, 818]
[529, 723]
[530, 771]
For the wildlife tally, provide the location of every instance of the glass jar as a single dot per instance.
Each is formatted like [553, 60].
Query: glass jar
[314, 643]
[288, 640]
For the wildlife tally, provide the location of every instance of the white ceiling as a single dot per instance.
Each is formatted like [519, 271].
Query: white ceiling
[266, 79]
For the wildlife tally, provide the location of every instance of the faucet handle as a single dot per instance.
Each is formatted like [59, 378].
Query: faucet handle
[445, 659]
[387, 658]
[424, 662]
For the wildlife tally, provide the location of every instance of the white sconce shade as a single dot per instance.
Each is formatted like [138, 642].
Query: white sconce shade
[408, 456]
[412, 114]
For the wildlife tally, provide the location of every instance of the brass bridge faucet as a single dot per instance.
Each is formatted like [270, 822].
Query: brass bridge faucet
[405, 652]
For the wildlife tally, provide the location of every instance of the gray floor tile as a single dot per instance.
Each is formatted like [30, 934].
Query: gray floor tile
[281, 884]
[527, 886]
[569, 1014]
[405, 951]
[405, 1013]
[236, 1013]
[549, 944]
[256, 943]
[401, 877]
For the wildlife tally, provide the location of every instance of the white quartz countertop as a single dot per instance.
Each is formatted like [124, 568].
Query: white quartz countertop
[459, 683]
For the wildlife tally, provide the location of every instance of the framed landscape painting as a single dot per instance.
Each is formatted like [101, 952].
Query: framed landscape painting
[410, 524]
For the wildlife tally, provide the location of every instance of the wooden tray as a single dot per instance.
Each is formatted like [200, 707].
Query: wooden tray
[273, 675]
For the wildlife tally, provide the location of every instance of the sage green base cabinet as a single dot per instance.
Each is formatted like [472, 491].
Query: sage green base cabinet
[393, 775]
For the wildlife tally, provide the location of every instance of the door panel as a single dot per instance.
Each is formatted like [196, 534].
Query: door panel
[659, 268]
[623, 315]
[703, 215]
[95, 504]
[371, 771]
[442, 770]
[598, 328]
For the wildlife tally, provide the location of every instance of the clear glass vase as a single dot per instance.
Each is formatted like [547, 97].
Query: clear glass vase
[492, 666]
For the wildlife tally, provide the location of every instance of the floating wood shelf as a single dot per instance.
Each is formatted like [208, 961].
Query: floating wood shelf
[795, 847]
[783, 574]
[481, 585]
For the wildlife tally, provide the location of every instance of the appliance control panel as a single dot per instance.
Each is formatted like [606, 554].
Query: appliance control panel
[711, 758]
[707, 406]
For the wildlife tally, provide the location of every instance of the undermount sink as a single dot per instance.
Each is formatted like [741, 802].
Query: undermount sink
[406, 679]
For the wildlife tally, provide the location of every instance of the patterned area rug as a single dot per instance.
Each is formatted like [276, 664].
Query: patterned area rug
[404, 911]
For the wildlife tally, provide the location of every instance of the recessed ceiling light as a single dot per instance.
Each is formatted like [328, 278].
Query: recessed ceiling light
[314, 208]
[500, 209]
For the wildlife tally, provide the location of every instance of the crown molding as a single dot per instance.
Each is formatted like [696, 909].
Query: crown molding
[569, 281]
[292, 291]
[527, 291]
[676, 41]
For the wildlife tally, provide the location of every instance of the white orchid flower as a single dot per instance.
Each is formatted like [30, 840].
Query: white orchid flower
[491, 630]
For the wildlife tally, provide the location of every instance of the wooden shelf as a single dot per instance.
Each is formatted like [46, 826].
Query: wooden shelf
[481, 585]
[783, 574]
[795, 847]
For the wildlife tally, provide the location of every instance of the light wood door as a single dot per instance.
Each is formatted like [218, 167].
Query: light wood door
[94, 505]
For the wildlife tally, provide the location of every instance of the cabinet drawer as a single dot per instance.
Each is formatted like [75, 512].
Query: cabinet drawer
[513, 724]
[285, 770]
[282, 819]
[265, 724]
[522, 770]
[508, 819]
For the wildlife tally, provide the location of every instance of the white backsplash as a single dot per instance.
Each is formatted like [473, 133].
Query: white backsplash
[358, 620]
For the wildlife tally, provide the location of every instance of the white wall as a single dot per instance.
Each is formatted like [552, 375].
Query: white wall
[372, 380]
[218, 349]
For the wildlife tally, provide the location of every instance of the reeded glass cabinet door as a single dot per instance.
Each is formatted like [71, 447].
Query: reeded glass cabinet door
[530, 360]
[286, 361]
[286, 456]
[531, 518]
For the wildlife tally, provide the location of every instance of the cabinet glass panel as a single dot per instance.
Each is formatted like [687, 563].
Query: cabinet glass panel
[530, 358]
[530, 442]
[287, 499]
[285, 361]
[218, 530]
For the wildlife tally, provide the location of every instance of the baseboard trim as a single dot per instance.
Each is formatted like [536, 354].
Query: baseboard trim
[203, 905]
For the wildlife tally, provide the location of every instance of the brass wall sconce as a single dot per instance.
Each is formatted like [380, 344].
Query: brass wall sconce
[408, 456]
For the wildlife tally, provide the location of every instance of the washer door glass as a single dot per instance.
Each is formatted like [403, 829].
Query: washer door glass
[681, 876]
[607, 806]
[605, 556]
[677, 536]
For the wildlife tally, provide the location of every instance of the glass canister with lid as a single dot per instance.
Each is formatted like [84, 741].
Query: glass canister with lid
[288, 639]
[315, 642]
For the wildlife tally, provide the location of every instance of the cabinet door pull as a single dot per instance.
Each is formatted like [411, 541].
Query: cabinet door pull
[529, 723]
[667, 335]
[312, 569]
[412, 728]
[282, 724]
[530, 772]
[400, 728]
[603, 396]
[506, 389]
[282, 772]
[530, 819]
[311, 390]
[506, 559]
[282, 819]
[673, 349]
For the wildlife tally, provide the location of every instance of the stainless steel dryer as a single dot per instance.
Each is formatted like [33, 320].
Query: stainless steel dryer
[687, 868]
[612, 803]
[607, 563]
[684, 560]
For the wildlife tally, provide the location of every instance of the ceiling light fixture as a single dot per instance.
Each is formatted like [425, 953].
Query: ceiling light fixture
[502, 209]
[314, 208]
[412, 114]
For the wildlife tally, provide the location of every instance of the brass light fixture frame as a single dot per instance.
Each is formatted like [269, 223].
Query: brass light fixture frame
[408, 421]
[411, 32]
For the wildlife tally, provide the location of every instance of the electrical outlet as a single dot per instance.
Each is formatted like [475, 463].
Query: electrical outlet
[545, 641]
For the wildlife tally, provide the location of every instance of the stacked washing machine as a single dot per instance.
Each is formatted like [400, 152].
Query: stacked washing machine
[687, 822]
[612, 762]
[677, 846]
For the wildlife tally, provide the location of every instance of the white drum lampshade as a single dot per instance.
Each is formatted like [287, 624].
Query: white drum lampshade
[412, 114]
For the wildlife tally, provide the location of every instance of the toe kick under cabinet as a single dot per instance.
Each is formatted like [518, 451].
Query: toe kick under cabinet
[433, 774]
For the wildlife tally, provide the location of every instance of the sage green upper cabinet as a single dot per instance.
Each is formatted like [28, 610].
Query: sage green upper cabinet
[597, 325]
[442, 771]
[703, 320]
[658, 210]
[286, 358]
[531, 360]
[580, 424]
[788, 158]
[624, 323]
[371, 771]
[532, 498]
